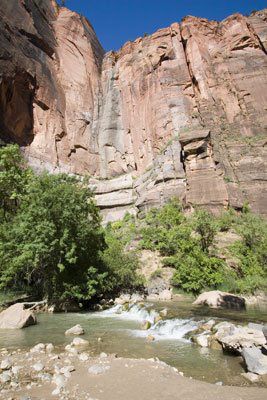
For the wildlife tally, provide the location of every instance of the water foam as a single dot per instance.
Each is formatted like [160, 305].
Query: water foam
[169, 329]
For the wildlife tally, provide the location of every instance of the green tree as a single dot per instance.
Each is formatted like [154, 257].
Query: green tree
[14, 177]
[53, 245]
[206, 228]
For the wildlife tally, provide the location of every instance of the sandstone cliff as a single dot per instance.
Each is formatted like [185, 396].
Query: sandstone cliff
[179, 113]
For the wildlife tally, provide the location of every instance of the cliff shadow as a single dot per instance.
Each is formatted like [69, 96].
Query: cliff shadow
[16, 108]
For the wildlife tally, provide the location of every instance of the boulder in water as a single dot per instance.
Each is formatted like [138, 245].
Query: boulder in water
[235, 338]
[150, 338]
[255, 360]
[145, 325]
[218, 299]
[202, 340]
[16, 317]
[75, 330]
[124, 298]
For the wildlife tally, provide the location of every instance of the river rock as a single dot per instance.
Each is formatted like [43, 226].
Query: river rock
[218, 299]
[255, 360]
[6, 364]
[38, 367]
[77, 342]
[49, 348]
[136, 298]
[83, 357]
[145, 325]
[202, 340]
[124, 298]
[5, 377]
[98, 369]
[16, 317]
[250, 376]
[38, 348]
[235, 339]
[75, 330]
[165, 295]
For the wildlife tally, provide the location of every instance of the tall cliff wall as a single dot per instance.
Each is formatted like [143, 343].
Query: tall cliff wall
[179, 113]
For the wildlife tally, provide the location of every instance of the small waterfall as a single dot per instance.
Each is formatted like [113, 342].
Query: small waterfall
[172, 329]
[133, 312]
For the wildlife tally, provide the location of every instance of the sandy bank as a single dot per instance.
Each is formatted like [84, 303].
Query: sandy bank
[72, 376]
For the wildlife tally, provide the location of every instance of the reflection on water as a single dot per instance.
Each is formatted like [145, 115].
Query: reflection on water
[121, 334]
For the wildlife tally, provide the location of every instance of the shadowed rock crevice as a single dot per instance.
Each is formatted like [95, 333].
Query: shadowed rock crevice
[16, 108]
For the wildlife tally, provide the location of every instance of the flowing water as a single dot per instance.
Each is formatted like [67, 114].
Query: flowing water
[120, 332]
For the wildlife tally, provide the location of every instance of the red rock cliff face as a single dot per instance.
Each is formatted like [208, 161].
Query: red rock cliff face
[179, 113]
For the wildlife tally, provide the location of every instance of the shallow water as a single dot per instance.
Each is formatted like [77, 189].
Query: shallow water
[121, 334]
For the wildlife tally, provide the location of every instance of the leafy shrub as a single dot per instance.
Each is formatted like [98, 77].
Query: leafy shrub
[206, 228]
[196, 271]
[121, 267]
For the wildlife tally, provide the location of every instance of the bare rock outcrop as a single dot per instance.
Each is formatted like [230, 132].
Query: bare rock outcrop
[181, 112]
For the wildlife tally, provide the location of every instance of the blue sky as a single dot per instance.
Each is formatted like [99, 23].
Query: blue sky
[116, 21]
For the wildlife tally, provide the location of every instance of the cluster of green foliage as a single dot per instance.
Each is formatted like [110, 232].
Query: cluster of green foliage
[188, 245]
[51, 241]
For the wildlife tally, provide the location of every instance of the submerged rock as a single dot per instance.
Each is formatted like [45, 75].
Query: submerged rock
[75, 330]
[16, 317]
[218, 299]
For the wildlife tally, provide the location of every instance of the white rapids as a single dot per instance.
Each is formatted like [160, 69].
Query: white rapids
[168, 329]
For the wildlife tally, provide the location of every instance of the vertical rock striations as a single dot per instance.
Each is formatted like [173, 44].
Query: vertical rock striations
[181, 112]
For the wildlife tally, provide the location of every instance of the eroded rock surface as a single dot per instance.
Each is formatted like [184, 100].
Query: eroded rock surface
[181, 112]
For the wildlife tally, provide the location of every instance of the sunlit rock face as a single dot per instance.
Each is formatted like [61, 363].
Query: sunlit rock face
[179, 113]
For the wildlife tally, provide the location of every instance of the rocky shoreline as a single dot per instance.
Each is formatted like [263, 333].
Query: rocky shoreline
[46, 372]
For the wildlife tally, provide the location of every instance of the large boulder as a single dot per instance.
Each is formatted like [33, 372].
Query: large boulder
[255, 360]
[16, 317]
[236, 338]
[218, 299]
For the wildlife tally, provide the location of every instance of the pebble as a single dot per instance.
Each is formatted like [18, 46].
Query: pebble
[103, 355]
[40, 347]
[5, 377]
[59, 380]
[49, 348]
[38, 367]
[15, 369]
[79, 342]
[98, 369]
[83, 357]
[6, 364]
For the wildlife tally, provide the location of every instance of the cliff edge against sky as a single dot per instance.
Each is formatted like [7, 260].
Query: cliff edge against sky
[179, 113]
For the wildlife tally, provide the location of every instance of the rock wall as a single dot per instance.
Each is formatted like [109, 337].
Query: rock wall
[179, 113]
